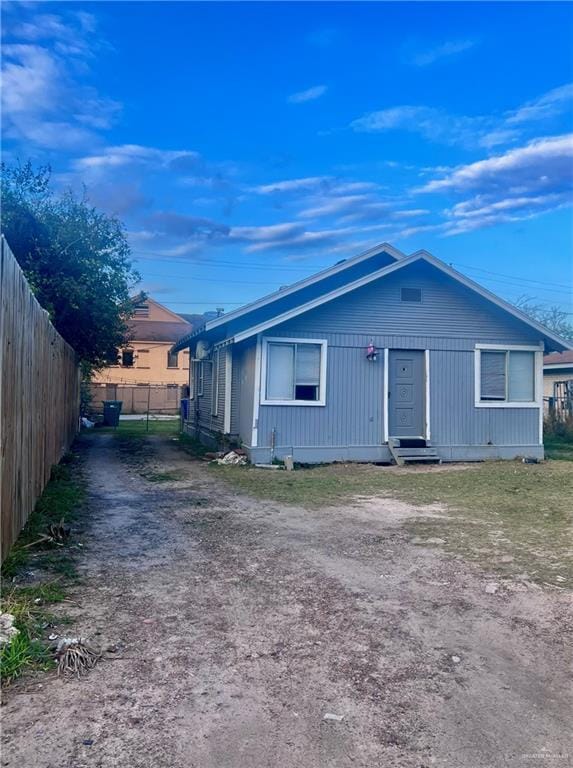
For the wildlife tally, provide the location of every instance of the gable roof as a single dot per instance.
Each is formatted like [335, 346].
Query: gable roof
[555, 341]
[559, 360]
[278, 296]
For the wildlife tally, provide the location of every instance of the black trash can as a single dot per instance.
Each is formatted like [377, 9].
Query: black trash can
[111, 411]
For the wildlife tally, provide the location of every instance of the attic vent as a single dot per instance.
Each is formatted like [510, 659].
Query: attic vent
[411, 294]
[141, 310]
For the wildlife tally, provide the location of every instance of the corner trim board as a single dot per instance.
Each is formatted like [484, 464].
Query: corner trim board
[257, 394]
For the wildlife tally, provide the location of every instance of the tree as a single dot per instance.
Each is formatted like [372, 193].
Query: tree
[76, 259]
[553, 317]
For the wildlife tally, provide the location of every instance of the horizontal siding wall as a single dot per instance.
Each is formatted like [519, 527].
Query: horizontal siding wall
[447, 310]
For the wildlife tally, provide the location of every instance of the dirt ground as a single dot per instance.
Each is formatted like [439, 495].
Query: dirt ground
[240, 624]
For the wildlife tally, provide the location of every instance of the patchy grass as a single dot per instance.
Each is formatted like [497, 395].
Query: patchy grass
[140, 428]
[510, 518]
[60, 503]
[62, 498]
[559, 448]
[168, 476]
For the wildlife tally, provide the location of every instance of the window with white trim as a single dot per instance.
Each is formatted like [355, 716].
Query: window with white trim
[506, 376]
[200, 378]
[191, 379]
[294, 372]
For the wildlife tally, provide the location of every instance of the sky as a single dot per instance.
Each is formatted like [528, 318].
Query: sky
[247, 145]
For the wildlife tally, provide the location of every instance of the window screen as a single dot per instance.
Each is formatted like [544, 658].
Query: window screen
[411, 294]
[507, 376]
[493, 375]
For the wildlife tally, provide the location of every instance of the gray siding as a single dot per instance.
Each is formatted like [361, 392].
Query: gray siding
[244, 376]
[351, 425]
[447, 310]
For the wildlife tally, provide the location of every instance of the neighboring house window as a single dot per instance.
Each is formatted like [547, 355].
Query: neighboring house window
[294, 371]
[200, 378]
[506, 376]
[172, 361]
[127, 358]
[215, 384]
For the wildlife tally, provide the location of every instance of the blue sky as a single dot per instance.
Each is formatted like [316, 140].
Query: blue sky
[246, 145]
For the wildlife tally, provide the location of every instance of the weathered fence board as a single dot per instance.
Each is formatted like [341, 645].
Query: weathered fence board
[39, 398]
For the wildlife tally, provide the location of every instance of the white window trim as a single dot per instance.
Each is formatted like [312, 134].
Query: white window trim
[191, 379]
[289, 340]
[228, 389]
[537, 378]
[200, 378]
[215, 383]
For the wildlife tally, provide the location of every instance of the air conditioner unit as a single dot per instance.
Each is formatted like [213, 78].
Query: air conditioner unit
[202, 351]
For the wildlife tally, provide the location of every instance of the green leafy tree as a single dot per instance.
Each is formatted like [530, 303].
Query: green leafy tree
[76, 259]
[552, 317]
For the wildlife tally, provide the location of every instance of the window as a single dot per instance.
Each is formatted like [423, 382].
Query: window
[506, 376]
[411, 294]
[200, 378]
[215, 384]
[127, 358]
[192, 365]
[172, 361]
[294, 372]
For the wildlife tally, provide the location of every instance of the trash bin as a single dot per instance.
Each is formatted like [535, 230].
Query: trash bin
[185, 408]
[111, 411]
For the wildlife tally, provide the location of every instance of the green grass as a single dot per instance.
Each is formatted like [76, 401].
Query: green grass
[29, 650]
[55, 565]
[510, 518]
[169, 476]
[559, 448]
[62, 498]
[130, 428]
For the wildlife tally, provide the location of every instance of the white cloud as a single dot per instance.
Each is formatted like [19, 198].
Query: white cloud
[544, 164]
[42, 102]
[485, 131]
[310, 94]
[133, 154]
[307, 184]
[449, 48]
[548, 105]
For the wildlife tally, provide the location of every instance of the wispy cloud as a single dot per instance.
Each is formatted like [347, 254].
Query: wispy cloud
[310, 94]
[516, 185]
[306, 184]
[477, 131]
[545, 163]
[135, 154]
[442, 51]
[43, 102]
[550, 104]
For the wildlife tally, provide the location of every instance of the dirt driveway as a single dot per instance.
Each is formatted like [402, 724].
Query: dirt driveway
[241, 624]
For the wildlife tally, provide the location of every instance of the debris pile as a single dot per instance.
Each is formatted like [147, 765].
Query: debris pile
[232, 458]
[7, 629]
[76, 656]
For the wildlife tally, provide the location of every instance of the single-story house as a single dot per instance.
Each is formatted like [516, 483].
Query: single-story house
[379, 354]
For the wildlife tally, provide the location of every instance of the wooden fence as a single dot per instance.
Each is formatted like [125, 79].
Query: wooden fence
[39, 398]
